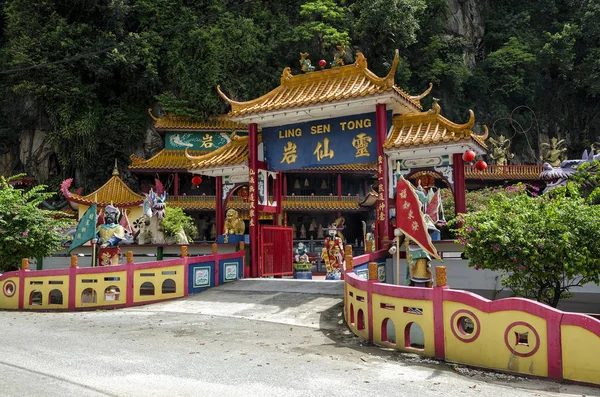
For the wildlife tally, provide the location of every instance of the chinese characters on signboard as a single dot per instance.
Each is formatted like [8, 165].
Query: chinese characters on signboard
[381, 199]
[176, 140]
[336, 141]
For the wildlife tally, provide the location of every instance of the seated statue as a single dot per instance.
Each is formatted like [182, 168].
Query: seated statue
[233, 224]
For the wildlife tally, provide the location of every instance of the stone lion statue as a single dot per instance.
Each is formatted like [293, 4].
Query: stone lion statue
[233, 224]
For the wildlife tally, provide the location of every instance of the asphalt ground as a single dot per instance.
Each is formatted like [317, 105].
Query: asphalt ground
[248, 338]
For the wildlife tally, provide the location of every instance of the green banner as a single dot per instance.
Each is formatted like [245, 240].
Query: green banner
[86, 229]
[196, 140]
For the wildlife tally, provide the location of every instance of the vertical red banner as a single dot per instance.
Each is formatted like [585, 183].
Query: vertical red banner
[253, 196]
[382, 177]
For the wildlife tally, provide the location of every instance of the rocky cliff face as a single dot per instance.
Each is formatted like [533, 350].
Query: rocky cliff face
[465, 20]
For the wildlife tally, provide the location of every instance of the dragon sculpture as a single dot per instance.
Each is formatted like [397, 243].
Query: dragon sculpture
[558, 176]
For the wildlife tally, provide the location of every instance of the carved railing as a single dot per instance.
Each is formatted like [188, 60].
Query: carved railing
[511, 172]
[321, 203]
[192, 202]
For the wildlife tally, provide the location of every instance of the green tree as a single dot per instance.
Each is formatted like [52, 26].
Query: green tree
[324, 25]
[176, 220]
[545, 246]
[26, 231]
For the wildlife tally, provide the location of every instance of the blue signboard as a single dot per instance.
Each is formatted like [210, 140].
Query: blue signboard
[337, 141]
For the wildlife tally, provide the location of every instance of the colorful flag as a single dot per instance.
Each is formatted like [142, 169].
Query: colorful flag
[433, 208]
[86, 229]
[410, 219]
[100, 219]
[125, 222]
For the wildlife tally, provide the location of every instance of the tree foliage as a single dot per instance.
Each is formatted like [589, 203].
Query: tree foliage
[26, 231]
[175, 220]
[544, 245]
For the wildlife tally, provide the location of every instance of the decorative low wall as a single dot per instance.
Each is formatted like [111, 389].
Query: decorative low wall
[513, 335]
[125, 285]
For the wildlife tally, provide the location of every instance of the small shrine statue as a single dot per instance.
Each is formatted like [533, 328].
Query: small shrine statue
[556, 152]
[500, 153]
[333, 254]
[233, 224]
[302, 265]
[301, 254]
[305, 63]
[312, 229]
[320, 232]
[338, 56]
[109, 236]
[302, 232]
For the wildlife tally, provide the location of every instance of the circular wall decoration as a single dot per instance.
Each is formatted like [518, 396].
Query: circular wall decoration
[522, 339]
[465, 325]
[9, 288]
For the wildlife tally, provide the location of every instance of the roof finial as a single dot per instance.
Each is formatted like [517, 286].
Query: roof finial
[116, 169]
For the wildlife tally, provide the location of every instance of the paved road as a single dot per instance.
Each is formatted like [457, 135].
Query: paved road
[229, 341]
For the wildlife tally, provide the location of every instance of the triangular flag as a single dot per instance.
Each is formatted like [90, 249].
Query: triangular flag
[433, 208]
[410, 219]
[100, 218]
[125, 222]
[86, 229]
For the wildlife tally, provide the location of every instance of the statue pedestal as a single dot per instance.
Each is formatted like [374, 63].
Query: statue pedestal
[303, 271]
[233, 239]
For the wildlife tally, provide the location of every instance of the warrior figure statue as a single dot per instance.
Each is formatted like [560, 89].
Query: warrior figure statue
[556, 152]
[501, 154]
[333, 254]
[109, 236]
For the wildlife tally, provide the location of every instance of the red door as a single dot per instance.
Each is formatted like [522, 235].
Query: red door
[276, 256]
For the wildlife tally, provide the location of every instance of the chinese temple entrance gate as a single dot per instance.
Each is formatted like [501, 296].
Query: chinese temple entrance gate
[276, 257]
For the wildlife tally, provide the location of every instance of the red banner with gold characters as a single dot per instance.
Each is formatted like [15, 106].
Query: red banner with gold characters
[381, 199]
[409, 217]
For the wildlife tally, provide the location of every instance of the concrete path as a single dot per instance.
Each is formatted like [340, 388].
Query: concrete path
[248, 338]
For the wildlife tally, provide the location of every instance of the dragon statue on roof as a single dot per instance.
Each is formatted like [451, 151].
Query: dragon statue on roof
[559, 176]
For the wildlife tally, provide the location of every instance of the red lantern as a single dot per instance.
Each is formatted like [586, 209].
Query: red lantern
[480, 165]
[196, 180]
[468, 156]
[322, 63]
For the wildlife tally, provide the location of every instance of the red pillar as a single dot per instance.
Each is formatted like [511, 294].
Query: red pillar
[253, 193]
[382, 211]
[176, 185]
[339, 186]
[459, 184]
[284, 193]
[219, 205]
[277, 197]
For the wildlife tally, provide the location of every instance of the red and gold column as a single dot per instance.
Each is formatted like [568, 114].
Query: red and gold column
[459, 184]
[219, 205]
[253, 196]
[382, 212]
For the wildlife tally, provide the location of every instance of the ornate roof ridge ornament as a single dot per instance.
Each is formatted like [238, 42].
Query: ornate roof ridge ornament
[418, 98]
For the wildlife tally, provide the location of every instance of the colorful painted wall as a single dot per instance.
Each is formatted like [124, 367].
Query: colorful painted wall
[125, 285]
[513, 335]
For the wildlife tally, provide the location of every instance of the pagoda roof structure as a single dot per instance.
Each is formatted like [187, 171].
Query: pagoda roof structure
[334, 92]
[432, 130]
[114, 192]
[232, 158]
[172, 122]
[167, 160]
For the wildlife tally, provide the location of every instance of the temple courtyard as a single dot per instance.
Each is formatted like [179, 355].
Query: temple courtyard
[248, 338]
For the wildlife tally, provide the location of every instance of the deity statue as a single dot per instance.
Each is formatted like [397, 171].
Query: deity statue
[556, 152]
[301, 254]
[233, 224]
[109, 236]
[369, 237]
[500, 153]
[305, 63]
[338, 56]
[333, 254]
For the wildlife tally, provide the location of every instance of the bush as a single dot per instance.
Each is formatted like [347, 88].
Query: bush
[26, 231]
[545, 245]
[175, 219]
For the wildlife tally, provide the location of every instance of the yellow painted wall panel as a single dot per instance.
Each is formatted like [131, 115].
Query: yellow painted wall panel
[100, 284]
[157, 276]
[403, 312]
[580, 354]
[9, 294]
[357, 300]
[46, 284]
[494, 343]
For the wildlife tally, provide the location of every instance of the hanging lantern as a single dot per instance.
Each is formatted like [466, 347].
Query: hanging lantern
[480, 165]
[196, 180]
[468, 156]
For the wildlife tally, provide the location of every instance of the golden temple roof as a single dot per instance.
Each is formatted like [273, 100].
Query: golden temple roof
[165, 160]
[329, 85]
[505, 172]
[114, 192]
[216, 123]
[429, 128]
[233, 153]
[361, 167]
